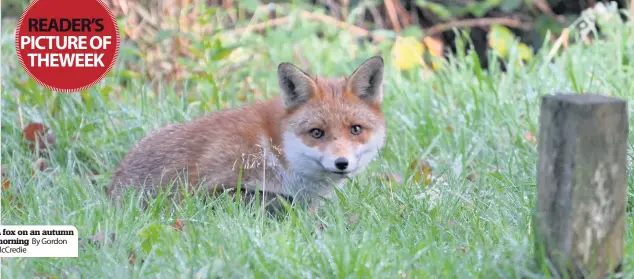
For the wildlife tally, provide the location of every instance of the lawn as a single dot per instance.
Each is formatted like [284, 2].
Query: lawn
[476, 128]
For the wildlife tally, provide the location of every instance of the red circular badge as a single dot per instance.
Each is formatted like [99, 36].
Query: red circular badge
[67, 45]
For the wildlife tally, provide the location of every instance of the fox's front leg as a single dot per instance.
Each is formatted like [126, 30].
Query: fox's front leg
[269, 195]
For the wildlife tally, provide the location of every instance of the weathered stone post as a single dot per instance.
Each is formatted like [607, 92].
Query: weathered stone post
[582, 184]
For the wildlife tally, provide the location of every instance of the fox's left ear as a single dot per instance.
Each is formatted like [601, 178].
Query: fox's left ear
[367, 80]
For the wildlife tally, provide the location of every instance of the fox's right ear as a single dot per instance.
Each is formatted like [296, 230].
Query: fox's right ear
[296, 86]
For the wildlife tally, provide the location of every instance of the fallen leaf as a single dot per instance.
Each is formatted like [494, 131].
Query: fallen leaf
[407, 53]
[5, 180]
[435, 46]
[528, 136]
[421, 169]
[36, 132]
[33, 131]
[131, 258]
[178, 224]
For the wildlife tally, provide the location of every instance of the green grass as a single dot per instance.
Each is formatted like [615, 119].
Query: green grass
[463, 120]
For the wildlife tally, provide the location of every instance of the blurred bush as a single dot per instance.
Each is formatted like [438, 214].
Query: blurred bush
[187, 40]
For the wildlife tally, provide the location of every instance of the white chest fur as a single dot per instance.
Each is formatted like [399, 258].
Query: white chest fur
[301, 179]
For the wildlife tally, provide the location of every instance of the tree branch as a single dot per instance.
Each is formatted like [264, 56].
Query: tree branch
[477, 22]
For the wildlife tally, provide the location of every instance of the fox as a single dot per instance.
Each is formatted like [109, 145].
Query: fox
[315, 135]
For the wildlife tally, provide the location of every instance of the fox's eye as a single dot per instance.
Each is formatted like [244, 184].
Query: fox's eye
[317, 133]
[355, 130]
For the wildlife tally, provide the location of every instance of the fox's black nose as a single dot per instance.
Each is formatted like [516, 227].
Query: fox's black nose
[341, 163]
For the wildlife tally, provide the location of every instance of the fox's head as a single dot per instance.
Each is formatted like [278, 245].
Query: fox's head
[333, 126]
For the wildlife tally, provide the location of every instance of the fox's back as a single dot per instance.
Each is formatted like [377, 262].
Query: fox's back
[217, 142]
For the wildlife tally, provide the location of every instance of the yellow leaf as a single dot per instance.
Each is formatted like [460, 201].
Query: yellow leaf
[422, 171]
[500, 38]
[407, 53]
[526, 53]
